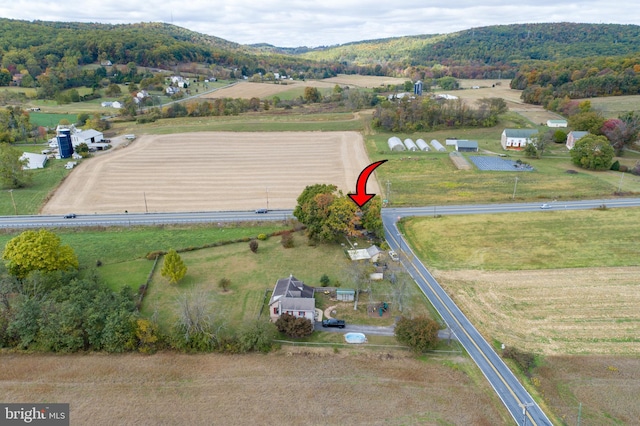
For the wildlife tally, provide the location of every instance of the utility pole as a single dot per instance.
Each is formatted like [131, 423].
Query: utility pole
[267, 198]
[620, 184]
[515, 186]
[524, 412]
[388, 191]
[144, 194]
[14, 202]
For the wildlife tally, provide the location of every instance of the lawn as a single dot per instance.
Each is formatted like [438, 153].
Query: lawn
[254, 275]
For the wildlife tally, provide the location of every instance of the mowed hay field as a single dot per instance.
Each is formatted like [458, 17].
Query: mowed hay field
[208, 171]
[553, 312]
[295, 386]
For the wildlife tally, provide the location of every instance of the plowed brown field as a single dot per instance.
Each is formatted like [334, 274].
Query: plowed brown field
[212, 171]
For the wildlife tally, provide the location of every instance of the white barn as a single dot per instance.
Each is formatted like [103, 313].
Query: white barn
[422, 145]
[395, 144]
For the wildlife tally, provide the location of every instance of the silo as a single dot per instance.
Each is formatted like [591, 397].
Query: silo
[422, 145]
[65, 147]
[410, 145]
[395, 144]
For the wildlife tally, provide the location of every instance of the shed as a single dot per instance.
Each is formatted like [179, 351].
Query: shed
[411, 146]
[466, 146]
[422, 145]
[556, 123]
[345, 295]
[437, 145]
[395, 144]
[34, 161]
[450, 141]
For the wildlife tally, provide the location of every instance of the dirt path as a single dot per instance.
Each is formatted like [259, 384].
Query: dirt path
[212, 171]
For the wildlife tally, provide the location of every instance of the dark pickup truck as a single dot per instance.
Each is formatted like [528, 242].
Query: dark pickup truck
[332, 322]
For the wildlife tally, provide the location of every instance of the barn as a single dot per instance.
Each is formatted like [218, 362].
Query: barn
[395, 144]
[466, 146]
[437, 145]
[422, 145]
[411, 146]
[516, 139]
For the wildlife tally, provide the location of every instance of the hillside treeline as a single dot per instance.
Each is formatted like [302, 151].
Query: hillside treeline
[578, 78]
[414, 115]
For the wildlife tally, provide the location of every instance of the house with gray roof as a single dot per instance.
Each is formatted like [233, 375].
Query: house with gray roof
[516, 139]
[573, 137]
[292, 296]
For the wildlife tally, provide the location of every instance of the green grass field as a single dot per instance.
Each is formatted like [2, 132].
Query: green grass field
[51, 120]
[254, 275]
[551, 239]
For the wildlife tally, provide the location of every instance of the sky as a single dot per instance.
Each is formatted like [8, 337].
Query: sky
[296, 23]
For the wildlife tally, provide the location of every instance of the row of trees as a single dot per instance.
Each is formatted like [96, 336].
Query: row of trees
[432, 114]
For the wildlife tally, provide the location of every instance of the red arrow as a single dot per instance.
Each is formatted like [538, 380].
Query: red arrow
[361, 197]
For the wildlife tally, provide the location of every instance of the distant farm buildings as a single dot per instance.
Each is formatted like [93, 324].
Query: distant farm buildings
[573, 137]
[395, 144]
[516, 139]
[422, 145]
[556, 123]
[411, 146]
[437, 145]
[466, 146]
[34, 161]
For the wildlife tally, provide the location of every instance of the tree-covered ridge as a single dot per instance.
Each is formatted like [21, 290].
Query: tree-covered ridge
[45, 44]
[493, 45]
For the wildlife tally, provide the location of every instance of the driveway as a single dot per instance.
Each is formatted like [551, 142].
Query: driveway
[373, 330]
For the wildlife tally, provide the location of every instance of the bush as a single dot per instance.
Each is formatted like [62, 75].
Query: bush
[153, 254]
[253, 246]
[293, 326]
[287, 240]
[615, 166]
[420, 334]
[524, 360]
[262, 237]
[623, 168]
[324, 280]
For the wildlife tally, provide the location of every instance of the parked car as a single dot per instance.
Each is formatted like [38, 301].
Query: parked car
[332, 322]
[393, 255]
[262, 211]
[70, 216]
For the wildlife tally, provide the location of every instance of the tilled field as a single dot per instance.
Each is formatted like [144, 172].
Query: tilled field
[212, 171]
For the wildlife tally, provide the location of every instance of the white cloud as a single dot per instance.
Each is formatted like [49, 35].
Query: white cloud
[305, 23]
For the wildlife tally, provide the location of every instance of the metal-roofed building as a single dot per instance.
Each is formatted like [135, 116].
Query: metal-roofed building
[516, 139]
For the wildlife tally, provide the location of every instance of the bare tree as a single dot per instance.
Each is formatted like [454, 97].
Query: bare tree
[193, 315]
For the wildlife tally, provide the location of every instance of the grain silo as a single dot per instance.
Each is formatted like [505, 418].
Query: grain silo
[422, 145]
[65, 146]
[411, 146]
[437, 145]
[395, 144]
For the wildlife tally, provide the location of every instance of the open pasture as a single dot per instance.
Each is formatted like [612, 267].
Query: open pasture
[212, 171]
[248, 89]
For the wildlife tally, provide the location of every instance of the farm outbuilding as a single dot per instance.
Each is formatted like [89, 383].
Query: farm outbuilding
[437, 145]
[345, 295]
[450, 141]
[466, 146]
[34, 161]
[557, 123]
[411, 146]
[422, 145]
[395, 144]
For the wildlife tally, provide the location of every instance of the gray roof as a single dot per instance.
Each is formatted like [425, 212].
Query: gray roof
[291, 287]
[519, 133]
[297, 304]
[578, 134]
[467, 144]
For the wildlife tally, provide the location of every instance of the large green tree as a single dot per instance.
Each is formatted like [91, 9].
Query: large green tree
[12, 174]
[173, 268]
[592, 152]
[420, 334]
[38, 251]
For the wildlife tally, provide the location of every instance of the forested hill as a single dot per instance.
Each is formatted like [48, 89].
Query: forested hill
[43, 44]
[498, 44]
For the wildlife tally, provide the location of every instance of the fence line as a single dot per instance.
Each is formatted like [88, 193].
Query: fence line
[143, 288]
